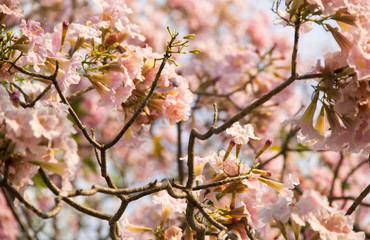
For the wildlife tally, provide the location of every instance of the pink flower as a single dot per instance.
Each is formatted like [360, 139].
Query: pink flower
[87, 32]
[5, 103]
[119, 88]
[330, 223]
[359, 59]
[11, 8]
[67, 73]
[176, 109]
[36, 51]
[241, 134]
[45, 123]
[163, 198]
[8, 224]
[278, 210]
[253, 205]
[310, 201]
[32, 30]
[333, 226]
[37, 132]
[307, 134]
[327, 7]
[7, 75]
[284, 189]
[173, 233]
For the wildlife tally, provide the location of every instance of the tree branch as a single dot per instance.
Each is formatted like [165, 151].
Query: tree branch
[358, 200]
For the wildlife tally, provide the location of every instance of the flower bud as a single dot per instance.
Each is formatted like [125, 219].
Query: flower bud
[320, 122]
[272, 184]
[190, 36]
[196, 51]
[307, 117]
[14, 97]
[57, 168]
[115, 38]
[261, 172]
[268, 143]
[165, 214]
[231, 146]
[98, 82]
[342, 41]
[80, 40]
[188, 233]
[137, 229]
[238, 148]
[64, 33]
[342, 15]
[332, 118]
[65, 26]
[295, 5]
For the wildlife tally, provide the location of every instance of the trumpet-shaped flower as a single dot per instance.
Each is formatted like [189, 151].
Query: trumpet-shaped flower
[241, 134]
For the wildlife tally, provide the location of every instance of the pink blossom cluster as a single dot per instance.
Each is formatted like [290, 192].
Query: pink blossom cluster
[41, 136]
[344, 119]
[325, 221]
[122, 80]
[10, 8]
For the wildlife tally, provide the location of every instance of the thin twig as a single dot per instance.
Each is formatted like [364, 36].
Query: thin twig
[75, 117]
[77, 94]
[31, 104]
[43, 214]
[334, 198]
[335, 175]
[344, 183]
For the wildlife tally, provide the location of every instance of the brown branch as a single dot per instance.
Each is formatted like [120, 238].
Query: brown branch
[167, 55]
[358, 200]
[77, 94]
[43, 214]
[103, 168]
[196, 134]
[75, 117]
[180, 163]
[195, 225]
[112, 191]
[297, 25]
[247, 228]
[309, 76]
[31, 104]
[221, 182]
[71, 202]
[192, 200]
[114, 228]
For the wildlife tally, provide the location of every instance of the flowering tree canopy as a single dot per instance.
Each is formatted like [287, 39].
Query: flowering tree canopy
[197, 119]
